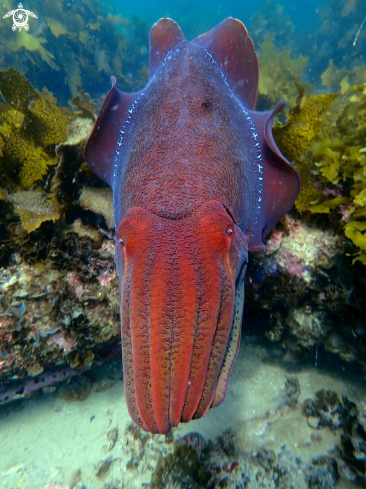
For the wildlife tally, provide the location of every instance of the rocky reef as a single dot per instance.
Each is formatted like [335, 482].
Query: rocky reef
[59, 303]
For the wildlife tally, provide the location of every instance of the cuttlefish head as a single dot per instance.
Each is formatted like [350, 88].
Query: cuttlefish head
[181, 305]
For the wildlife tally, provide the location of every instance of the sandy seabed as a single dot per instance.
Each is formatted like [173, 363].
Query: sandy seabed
[49, 442]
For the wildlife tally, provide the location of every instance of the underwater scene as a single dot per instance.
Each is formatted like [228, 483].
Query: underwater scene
[183, 244]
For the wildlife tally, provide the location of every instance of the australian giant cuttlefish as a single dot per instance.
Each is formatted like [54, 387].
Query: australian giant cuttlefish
[198, 181]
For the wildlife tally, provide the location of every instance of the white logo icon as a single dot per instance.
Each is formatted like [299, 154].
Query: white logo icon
[20, 18]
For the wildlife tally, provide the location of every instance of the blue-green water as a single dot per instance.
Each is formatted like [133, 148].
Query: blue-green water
[304, 15]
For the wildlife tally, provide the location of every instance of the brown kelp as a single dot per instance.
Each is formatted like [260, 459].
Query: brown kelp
[325, 138]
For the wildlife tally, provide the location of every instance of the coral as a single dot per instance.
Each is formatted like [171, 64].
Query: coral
[277, 72]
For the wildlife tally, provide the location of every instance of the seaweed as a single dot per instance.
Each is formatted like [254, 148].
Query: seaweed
[83, 105]
[278, 72]
[30, 127]
[35, 207]
[271, 19]
[76, 44]
[325, 139]
[340, 21]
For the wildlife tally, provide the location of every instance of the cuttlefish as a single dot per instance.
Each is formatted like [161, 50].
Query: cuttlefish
[197, 181]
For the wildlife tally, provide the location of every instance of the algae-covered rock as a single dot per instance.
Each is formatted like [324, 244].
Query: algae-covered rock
[16, 90]
[184, 468]
[304, 294]
[348, 457]
[61, 309]
[58, 281]
[49, 122]
[22, 161]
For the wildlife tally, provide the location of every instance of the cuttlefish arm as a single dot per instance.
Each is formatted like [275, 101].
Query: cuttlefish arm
[197, 181]
[175, 310]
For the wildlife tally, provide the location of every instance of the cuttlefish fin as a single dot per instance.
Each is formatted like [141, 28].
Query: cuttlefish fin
[281, 182]
[232, 49]
[164, 36]
[100, 148]
[232, 348]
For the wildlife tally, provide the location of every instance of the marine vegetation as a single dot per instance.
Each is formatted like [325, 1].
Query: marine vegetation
[75, 45]
[335, 41]
[325, 139]
[279, 74]
[271, 20]
[56, 231]
[52, 288]
[327, 411]
[30, 127]
[183, 468]
[333, 38]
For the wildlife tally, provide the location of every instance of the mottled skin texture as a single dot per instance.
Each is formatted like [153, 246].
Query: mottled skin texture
[197, 182]
[187, 143]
